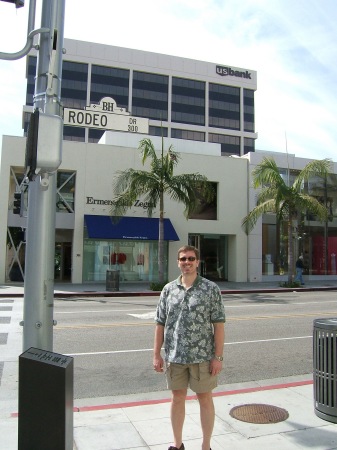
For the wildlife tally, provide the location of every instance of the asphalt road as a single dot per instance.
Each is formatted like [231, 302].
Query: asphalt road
[267, 336]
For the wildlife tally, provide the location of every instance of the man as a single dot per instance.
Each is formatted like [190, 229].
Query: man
[299, 270]
[190, 320]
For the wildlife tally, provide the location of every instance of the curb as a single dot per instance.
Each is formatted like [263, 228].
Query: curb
[157, 293]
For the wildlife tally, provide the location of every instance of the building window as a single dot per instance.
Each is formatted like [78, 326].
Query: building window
[188, 101]
[110, 82]
[95, 135]
[206, 210]
[224, 106]
[135, 260]
[248, 110]
[188, 134]
[31, 74]
[65, 192]
[249, 145]
[158, 131]
[73, 134]
[150, 95]
[230, 145]
[74, 84]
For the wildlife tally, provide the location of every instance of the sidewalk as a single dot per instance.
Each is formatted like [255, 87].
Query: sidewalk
[142, 288]
[142, 421]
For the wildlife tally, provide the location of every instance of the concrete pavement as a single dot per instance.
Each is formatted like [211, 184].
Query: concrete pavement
[142, 421]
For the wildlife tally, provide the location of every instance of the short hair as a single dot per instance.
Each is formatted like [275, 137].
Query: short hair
[189, 248]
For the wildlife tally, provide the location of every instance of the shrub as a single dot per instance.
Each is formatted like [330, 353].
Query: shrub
[156, 286]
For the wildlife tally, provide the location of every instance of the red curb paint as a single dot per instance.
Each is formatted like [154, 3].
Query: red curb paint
[192, 397]
[189, 397]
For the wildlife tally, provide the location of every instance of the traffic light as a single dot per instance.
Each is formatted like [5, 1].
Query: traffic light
[44, 144]
[18, 203]
[18, 3]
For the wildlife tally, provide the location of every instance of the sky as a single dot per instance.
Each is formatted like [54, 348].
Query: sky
[292, 44]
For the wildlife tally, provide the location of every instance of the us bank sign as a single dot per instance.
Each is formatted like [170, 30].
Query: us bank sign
[105, 115]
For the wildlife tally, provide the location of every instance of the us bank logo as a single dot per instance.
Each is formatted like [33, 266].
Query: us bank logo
[228, 71]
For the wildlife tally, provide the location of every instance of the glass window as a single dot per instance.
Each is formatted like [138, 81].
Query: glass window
[188, 134]
[213, 250]
[230, 145]
[73, 134]
[110, 82]
[224, 106]
[65, 192]
[95, 135]
[188, 101]
[74, 84]
[249, 145]
[158, 131]
[31, 73]
[248, 110]
[206, 210]
[150, 95]
[135, 260]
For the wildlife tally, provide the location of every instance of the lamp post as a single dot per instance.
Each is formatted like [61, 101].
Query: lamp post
[44, 157]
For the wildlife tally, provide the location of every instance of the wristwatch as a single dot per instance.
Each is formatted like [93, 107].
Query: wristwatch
[219, 358]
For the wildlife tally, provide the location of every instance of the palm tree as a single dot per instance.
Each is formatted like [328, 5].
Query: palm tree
[131, 184]
[286, 201]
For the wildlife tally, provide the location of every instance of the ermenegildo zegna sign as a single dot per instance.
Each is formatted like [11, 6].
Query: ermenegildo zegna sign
[96, 201]
[105, 115]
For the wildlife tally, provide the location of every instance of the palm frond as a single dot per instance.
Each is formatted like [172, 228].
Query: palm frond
[318, 168]
[249, 222]
[267, 173]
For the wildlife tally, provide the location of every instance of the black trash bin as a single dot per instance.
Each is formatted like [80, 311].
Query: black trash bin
[325, 368]
[112, 280]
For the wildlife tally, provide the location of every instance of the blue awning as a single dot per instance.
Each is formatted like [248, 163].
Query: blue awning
[136, 228]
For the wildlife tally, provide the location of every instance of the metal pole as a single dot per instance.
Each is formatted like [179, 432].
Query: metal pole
[40, 238]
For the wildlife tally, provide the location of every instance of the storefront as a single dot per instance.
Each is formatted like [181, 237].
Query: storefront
[129, 246]
[316, 241]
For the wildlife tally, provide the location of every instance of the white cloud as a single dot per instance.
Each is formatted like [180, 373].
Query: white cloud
[291, 44]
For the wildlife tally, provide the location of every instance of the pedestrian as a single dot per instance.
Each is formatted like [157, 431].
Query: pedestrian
[190, 320]
[299, 270]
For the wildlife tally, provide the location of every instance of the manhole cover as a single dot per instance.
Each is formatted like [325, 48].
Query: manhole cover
[257, 413]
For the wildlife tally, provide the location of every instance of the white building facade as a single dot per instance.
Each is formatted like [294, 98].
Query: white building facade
[90, 243]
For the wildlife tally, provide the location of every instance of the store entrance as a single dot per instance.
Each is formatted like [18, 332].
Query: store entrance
[62, 270]
[213, 255]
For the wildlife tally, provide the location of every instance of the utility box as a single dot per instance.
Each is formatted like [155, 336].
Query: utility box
[112, 280]
[46, 401]
[325, 368]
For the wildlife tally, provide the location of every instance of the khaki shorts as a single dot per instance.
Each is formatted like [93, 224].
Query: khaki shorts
[196, 376]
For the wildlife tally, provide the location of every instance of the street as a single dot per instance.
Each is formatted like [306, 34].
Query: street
[268, 335]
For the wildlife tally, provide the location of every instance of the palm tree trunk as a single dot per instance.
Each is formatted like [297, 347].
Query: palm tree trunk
[290, 251]
[161, 240]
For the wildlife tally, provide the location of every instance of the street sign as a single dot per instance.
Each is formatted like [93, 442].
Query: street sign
[105, 115]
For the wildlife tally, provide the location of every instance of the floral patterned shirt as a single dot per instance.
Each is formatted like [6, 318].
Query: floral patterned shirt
[187, 316]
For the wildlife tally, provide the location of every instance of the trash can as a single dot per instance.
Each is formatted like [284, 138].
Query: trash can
[112, 280]
[325, 368]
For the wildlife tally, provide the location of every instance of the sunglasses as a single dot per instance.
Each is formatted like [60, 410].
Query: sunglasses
[190, 258]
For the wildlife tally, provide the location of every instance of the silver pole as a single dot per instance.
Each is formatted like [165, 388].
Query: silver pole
[40, 237]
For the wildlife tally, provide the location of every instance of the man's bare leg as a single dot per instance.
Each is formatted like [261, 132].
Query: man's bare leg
[178, 415]
[207, 416]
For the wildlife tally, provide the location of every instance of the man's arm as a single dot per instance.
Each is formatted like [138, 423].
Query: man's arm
[219, 341]
[158, 362]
